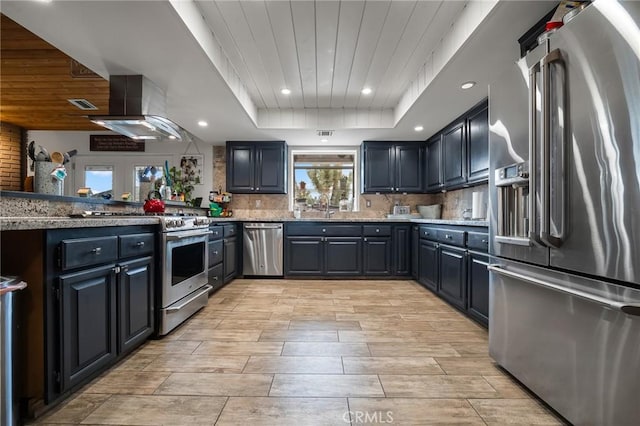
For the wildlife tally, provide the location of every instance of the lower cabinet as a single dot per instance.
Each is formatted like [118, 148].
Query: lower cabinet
[415, 252]
[428, 260]
[345, 250]
[342, 256]
[230, 252]
[102, 282]
[376, 256]
[305, 255]
[478, 287]
[135, 303]
[452, 263]
[453, 275]
[88, 323]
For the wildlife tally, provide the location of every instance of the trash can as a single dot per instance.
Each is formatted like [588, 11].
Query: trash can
[8, 401]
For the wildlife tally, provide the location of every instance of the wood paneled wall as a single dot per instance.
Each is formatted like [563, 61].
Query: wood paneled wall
[37, 79]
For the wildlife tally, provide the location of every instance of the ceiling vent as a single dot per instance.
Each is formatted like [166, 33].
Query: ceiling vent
[83, 104]
[325, 133]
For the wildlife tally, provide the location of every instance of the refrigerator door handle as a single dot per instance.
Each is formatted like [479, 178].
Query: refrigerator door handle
[545, 177]
[533, 154]
[627, 308]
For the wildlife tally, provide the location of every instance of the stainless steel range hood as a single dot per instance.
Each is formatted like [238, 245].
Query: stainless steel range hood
[137, 109]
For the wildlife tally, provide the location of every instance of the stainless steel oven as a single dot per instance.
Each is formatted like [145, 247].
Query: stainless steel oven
[184, 270]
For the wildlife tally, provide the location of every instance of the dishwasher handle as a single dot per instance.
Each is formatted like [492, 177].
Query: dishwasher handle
[263, 227]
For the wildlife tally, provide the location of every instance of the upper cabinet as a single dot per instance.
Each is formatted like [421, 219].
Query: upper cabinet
[458, 156]
[256, 167]
[389, 167]
[478, 144]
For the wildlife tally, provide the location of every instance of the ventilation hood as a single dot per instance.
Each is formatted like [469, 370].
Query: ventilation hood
[137, 109]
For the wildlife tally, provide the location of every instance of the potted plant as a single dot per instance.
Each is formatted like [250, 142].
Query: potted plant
[181, 185]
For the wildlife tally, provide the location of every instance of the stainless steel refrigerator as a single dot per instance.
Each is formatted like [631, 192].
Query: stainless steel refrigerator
[565, 217]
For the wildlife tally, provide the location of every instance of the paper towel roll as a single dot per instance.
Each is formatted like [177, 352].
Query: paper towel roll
[478, 209]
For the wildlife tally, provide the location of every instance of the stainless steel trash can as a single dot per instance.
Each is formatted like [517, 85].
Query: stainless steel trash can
[8, 412]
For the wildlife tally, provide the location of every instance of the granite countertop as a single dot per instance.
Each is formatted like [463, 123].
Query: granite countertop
[28, 223]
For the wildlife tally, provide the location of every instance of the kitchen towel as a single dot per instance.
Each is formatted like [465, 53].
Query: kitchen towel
[478, 209]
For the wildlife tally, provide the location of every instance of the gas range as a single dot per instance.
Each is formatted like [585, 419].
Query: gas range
[171, 222]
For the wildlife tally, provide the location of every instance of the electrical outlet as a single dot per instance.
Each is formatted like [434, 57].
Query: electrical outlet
[368, 204]
[258, 204]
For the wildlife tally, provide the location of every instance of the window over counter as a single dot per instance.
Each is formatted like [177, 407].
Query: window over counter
[99, 179]
[323, 175]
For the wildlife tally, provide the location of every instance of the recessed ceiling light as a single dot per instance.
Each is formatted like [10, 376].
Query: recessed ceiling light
[172, 137]
[367, 91]
[202, 123]
[468, 85]
[418, 128]
[285, 91]
[324, 140]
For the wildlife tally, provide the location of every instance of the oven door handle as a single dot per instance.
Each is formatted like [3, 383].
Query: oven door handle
[197, 294]
[172, 236]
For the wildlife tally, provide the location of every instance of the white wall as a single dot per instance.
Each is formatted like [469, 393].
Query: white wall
[64, 141]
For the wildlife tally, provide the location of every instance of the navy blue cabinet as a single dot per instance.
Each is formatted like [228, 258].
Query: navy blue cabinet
[478, 287]
[428, 270]
[478, 144]
[135, 303]
[402, 250]
[256, 167]
[342, 256]
[453, 275]
[458, 156]
[389, 167]
[377, 255]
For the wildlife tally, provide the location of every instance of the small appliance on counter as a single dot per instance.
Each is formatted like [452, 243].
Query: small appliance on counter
[401, 210]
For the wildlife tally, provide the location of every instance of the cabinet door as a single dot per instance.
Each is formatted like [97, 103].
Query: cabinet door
[230, 259]
[270, 168]
[240, 167]
[88, 323]
[434, 170]
[454, 158]
[478, 287]
[304, 255]
[376, 256]
[409, 167]
[453, 275]
[478, 144]
[342, 256]
[402, 250]
[415, 251]
[428, 272]
[135, 303]
[378, 164]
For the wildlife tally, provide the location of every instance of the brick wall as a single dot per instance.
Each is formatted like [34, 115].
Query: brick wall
[11, 157]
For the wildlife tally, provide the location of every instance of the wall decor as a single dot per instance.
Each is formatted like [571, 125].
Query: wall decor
[191, 166]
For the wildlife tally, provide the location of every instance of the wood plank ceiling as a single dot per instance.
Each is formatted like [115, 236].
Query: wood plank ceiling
[36, 81]
[326, 52]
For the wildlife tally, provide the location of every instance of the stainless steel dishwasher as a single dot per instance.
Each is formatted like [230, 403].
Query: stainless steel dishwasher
[262, 249]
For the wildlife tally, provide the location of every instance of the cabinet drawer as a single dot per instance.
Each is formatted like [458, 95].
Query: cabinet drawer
[216, 233]
[215, 252]
[342, 230]
[449, 236]
[376, 231]
[88, 251]
[428, 233]
[216, 275]
[136, 244]
[478, 241]
[229, 231]
[316, 230]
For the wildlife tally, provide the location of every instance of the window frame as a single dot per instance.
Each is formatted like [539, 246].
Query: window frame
[355, 152]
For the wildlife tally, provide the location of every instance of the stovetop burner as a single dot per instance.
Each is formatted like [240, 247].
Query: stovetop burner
[94, 213]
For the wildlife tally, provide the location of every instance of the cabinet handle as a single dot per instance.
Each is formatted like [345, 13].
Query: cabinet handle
[448, 237]
[257, 189]
[215, 252]
[324, 230]
[96, 250]
[365, 240]
[215, 278]
[252, 188]
[377, 230]
[140, 244]
[484, 241]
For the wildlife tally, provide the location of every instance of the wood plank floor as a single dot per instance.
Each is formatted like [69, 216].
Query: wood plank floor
[286, 352]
